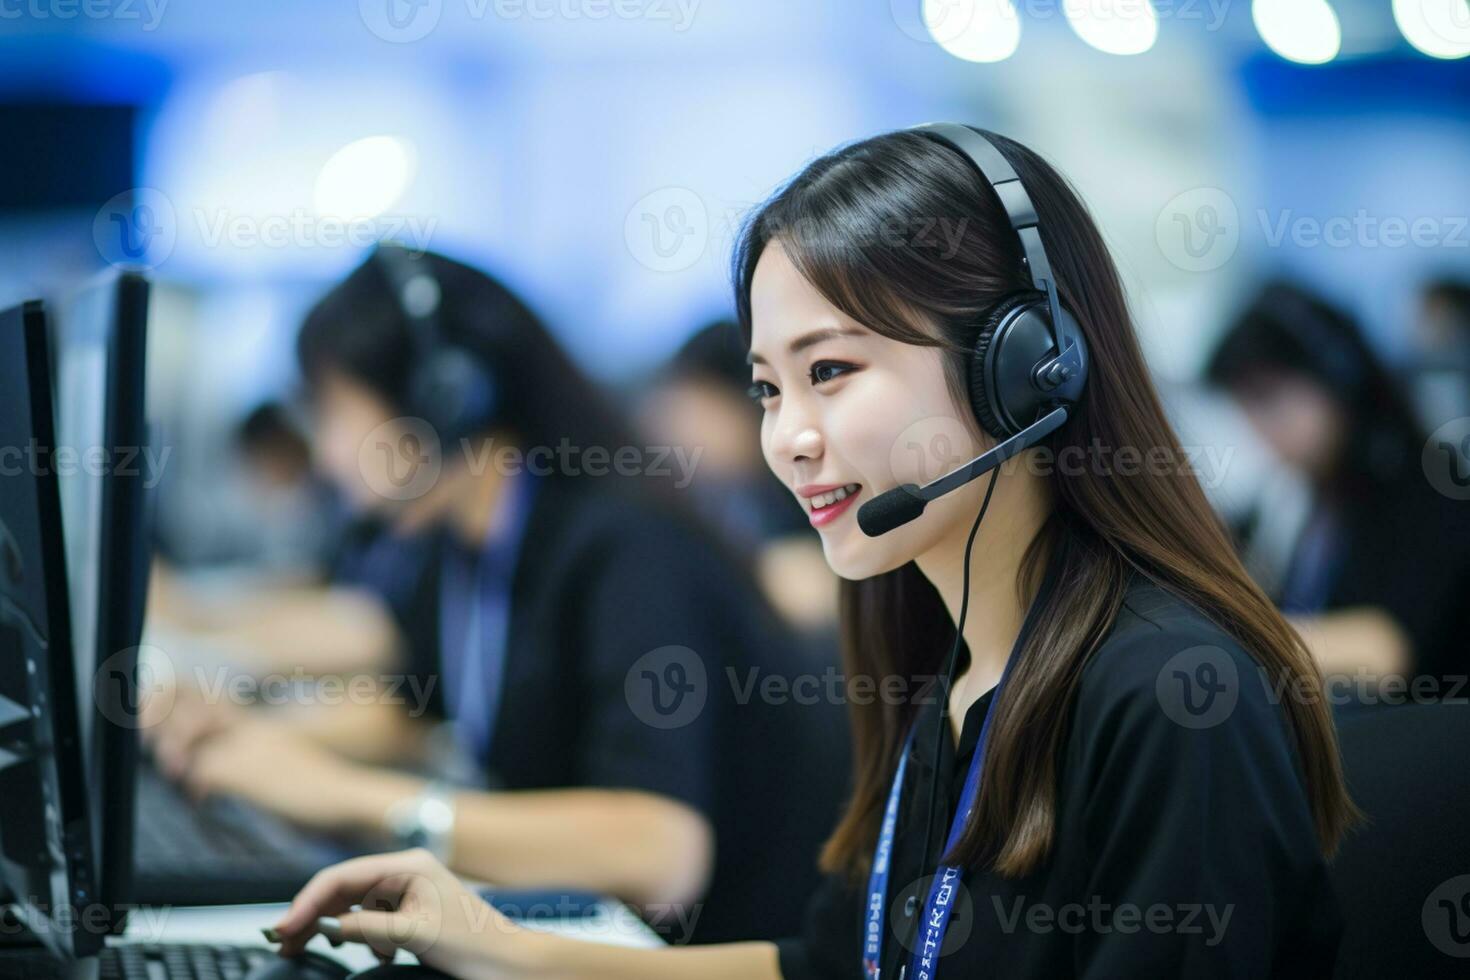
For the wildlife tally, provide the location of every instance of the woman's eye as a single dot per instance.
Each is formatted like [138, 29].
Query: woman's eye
[827, 370]
[761, 390]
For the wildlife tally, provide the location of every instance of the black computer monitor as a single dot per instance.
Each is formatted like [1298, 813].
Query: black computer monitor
[46, 838]
[99, 354]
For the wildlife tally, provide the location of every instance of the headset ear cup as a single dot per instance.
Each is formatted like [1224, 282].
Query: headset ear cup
[454, 392]
[980, 394]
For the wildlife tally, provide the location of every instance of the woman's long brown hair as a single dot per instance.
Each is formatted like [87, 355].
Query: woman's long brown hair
[900, 233]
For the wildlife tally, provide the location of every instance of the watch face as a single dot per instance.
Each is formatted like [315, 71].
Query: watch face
[436, 814]
[425, 820]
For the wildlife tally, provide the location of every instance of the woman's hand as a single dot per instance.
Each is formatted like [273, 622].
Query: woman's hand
[408, 900]
[176, 718]
[283, 771]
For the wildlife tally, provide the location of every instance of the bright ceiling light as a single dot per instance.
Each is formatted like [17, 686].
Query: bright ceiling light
[1304, 31]
[364, 178]
[1439, 28]
[974, 30]
[1114, 26]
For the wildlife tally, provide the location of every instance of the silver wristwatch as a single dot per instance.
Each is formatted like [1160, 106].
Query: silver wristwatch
[425, 820]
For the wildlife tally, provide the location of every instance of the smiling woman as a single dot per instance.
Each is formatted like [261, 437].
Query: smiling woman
[1119, 791]
[923, 314]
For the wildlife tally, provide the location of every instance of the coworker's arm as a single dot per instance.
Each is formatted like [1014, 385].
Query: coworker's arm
[358, 718]
[388, 729]
[1360, 640]
[313, 629]
[446, 926]
[641, 847]
[649, 850]
[646, 849]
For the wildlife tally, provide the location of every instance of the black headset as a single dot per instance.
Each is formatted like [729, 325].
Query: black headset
[1026, 373]
[1029, 363]
[449, 386]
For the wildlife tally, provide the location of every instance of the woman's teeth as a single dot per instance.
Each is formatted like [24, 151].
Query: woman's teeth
[832, 496]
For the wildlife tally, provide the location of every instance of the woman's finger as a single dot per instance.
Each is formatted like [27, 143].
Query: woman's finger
[385, 932]
[337, 888]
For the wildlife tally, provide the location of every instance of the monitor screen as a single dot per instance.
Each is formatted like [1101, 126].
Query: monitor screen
[46, 839]
[98, 365]
[81, 348]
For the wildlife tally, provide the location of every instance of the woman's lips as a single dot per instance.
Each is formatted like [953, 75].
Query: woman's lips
[826, 515]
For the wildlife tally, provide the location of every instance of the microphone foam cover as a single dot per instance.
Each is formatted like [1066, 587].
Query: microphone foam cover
[890, 509]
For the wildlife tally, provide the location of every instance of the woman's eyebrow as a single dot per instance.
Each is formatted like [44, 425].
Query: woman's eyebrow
[809, 339]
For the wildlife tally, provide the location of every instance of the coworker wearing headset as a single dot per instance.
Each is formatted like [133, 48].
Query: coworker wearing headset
[554, 577]
[1374, 581]
[1131, 821]
[319, 620]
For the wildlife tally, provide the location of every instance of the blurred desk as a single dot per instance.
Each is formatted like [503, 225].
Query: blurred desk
[240, 925]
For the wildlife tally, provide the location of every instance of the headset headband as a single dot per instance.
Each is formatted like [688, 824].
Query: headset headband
[416, 292]
[997, 171]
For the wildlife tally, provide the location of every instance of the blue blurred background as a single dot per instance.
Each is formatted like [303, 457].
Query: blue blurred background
[598, 156]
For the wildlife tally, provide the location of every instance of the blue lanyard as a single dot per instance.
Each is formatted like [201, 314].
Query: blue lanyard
[940, 903]
[475, 615]
[1309, 576]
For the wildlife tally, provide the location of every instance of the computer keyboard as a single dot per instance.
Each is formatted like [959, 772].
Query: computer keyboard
[219, 830]
[220, 851]
[146, 961]
[180, 962]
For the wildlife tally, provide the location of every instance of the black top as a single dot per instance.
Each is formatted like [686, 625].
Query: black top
[602, 580]
[1184, 845]
[1401, 874]
[1407, 551]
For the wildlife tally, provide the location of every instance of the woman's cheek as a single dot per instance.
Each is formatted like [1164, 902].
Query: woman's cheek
[348, 467]
[881, 444]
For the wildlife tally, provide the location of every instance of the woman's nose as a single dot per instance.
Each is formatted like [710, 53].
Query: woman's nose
[797, 436]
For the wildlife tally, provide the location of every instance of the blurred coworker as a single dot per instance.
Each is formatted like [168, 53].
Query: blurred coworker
[1378, 577]
[701, 401]
[296, 511]
[615, 764]
[319, 607]
[1440, 376]
[345, 548]
[306, 520]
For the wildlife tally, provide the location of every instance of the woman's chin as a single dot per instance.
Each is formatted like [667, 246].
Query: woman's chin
[855, 560]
